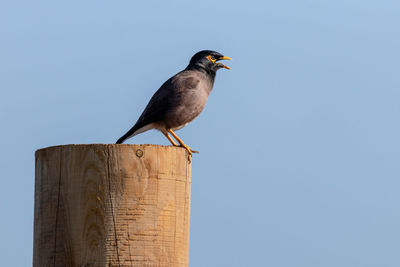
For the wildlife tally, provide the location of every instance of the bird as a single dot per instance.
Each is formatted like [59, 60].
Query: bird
[180, 99]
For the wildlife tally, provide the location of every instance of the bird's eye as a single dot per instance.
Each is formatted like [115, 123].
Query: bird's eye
[211, 58]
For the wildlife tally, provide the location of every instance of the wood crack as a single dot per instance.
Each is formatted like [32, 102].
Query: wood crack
[111, 204]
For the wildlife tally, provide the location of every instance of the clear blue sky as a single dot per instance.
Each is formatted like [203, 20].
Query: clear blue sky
[299, 143]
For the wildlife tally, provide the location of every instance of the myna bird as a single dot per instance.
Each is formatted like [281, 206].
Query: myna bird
[180, 99]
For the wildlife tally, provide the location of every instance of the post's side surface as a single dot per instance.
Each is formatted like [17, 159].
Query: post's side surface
[112, 205]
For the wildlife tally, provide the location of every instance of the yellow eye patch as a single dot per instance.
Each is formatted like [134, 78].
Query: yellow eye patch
[211, 59]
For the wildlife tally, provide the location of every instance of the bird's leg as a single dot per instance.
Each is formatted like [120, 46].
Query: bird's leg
[189, 150]
[170, 139]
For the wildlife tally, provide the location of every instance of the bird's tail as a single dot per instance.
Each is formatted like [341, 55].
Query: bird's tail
[128, 135]
[122, 139]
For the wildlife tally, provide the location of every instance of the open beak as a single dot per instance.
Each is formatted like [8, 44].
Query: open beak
[224, 58]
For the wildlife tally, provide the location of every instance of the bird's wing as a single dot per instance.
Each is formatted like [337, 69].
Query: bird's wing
[163, 100]
[167, 97]
[158, 105]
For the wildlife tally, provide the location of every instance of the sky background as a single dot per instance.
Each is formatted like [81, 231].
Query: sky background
[299, 142]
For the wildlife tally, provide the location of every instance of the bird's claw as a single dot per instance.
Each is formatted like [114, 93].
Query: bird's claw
[189, 150]
[194, 151]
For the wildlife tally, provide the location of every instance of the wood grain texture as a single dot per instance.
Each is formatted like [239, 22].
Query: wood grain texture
[112, 205]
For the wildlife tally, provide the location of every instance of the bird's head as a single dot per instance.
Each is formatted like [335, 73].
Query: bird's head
[208, 60]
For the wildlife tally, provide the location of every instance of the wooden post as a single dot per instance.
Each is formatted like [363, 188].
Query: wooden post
[112, 205]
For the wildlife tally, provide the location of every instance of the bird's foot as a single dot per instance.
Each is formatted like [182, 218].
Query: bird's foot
[189, 150]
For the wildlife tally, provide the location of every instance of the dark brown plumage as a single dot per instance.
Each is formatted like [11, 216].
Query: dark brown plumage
[180, 99]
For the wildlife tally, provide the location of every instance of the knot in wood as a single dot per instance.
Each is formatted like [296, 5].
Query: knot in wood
[139, 153]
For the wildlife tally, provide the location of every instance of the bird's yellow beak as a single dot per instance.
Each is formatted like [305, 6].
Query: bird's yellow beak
[225, 58]
[220, 58]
